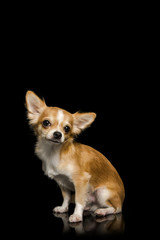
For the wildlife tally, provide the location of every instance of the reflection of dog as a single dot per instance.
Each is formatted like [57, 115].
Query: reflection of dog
[75, 167]
[110, 224]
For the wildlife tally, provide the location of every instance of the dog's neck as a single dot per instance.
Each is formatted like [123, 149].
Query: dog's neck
[45, 149]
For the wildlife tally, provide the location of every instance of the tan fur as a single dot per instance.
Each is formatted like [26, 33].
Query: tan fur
[85, 159]
[74, 165]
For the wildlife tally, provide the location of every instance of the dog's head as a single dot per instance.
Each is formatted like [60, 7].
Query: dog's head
[55, 124]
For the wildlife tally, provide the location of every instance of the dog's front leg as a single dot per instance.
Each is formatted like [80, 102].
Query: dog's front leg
[66, 200]
[81, 186]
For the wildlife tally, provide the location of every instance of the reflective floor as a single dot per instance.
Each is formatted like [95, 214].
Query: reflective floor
[111, 224]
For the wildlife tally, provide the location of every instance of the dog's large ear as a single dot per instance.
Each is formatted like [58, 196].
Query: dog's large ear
[82, 121]
[35, 106]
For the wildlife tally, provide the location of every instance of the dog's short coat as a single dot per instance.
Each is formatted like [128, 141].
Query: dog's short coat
[74, 166]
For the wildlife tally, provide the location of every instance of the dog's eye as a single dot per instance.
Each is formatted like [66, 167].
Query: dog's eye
[46, 123]
[66, 128]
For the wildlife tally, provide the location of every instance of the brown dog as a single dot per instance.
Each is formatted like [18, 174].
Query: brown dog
[74, 166]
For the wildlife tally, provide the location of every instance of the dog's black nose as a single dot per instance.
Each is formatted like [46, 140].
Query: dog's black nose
[57, 135]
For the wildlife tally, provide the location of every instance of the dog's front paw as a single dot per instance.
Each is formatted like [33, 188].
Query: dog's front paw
[60, 209]
[75, 218]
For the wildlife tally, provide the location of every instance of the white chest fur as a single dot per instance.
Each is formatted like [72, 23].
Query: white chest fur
[50, 156]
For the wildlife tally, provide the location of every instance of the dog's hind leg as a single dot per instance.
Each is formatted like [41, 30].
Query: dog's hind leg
[109, 202]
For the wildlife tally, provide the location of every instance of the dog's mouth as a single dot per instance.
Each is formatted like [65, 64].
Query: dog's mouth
[54, 140]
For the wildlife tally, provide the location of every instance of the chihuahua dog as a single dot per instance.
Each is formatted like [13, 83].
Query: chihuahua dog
[74, 166]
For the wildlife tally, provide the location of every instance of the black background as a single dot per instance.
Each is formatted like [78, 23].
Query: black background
[98, 67]
[114, 133]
